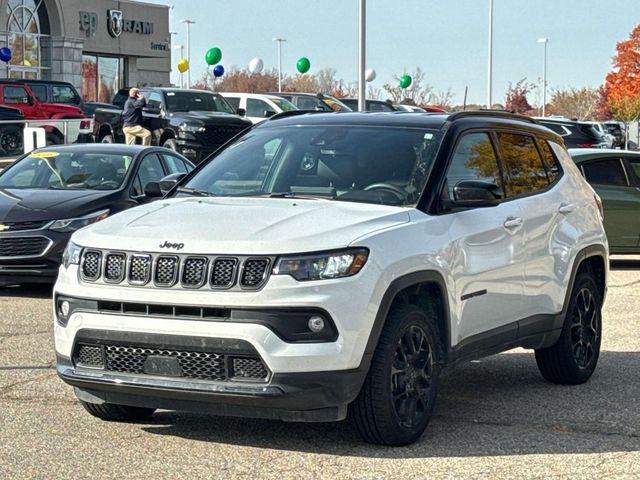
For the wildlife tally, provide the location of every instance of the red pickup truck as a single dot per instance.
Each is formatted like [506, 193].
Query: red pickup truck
[20, 96]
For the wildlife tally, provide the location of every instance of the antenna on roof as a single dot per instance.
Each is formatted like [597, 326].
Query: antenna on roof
[464, 104]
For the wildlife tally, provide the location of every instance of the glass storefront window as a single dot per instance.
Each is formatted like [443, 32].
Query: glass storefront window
[28, 26]
[101, 77]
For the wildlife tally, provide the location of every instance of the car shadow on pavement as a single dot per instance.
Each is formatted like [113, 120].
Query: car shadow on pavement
[624, 264]
[497, 406]
[35, 290]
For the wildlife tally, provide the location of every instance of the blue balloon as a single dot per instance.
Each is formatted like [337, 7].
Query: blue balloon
[218, 71]
[5, 54]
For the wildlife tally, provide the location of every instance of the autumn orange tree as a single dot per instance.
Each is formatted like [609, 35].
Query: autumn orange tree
[622, 85]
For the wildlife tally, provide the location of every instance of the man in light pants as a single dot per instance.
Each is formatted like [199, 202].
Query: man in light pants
[132, 119]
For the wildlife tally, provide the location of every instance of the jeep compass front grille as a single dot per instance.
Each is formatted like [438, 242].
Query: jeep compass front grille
[172, 362]
[175, 271]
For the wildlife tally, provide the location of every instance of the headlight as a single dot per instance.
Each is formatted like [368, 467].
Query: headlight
[73, 224]
[71, 255]
[185, 127]
[322, 266]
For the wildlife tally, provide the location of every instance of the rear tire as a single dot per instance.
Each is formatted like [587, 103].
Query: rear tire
[117, 413]
[573, 358]
[399, 392]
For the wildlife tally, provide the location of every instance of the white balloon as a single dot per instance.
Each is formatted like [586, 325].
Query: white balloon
[256, 65]
[369, 74]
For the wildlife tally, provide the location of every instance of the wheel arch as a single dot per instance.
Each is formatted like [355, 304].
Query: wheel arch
[166, 135]
[593, 258]
[104, 130]
[414, 288]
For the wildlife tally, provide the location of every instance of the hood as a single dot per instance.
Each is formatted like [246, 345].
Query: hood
[31, 205]
[240, 226]
[206, 118]
[55, 108]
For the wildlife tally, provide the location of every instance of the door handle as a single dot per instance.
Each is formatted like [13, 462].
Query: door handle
[513, 222]
[566, 208]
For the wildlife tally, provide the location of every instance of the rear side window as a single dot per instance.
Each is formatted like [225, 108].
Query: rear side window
[559, 129]
[234, 102]
[605, 172]
[473, 159]
[550, 162]
[64, 94]
[524, 169]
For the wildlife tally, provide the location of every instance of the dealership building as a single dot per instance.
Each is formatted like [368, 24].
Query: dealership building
[97, 45]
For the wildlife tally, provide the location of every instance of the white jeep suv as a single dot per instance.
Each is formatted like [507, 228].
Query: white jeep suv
[325, 264]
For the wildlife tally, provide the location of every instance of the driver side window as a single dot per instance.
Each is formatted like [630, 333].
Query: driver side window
[150, 170]
[474, 159]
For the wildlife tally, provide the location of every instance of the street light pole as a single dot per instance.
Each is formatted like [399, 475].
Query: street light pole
[279, 40]
[544, 76]
[188, 23]
[362, 55]
[490, 62]
[181, 48]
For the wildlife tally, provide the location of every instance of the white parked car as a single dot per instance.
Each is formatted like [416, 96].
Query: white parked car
[602, 131]
[258, 107]
[326, 263]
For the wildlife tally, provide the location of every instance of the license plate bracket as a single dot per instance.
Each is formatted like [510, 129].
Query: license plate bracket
[162, 365]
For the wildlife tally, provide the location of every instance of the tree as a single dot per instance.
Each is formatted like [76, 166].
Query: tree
[580, 103]
[622, 85]
[236, 80]
[418, 92]
[603, 107]
[516, 97]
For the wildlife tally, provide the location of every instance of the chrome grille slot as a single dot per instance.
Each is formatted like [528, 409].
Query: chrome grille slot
[223, 273]
[254, 272]
[139, 269]
[114, 267]
[166, 273]
[90, 268]
[194, 272]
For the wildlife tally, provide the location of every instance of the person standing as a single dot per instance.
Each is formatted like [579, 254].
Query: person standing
[132, 119]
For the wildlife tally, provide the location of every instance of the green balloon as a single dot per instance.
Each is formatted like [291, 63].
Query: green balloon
[303, 65]
[405, 81]
[213, 56]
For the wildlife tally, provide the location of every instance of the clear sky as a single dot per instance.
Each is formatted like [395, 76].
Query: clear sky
[447, 39]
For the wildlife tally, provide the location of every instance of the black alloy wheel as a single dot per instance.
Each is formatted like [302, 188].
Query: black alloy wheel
[585, 327]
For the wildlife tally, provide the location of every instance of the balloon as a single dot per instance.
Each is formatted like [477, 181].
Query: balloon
[303, 65]
[213, 56]
[369, 74]
[183, 65]
[5, 54]
[218, 71]
[405, 81]
[256, 65]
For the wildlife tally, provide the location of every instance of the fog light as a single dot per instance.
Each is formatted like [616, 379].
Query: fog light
[316, 324]
[64, 309]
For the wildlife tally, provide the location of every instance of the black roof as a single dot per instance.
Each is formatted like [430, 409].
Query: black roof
[118, 148]
[33, 81]
[176, 89]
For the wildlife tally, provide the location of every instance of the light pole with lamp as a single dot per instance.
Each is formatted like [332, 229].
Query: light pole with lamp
[188, 23]
[544, 76]
[279, 40]
[181, 48]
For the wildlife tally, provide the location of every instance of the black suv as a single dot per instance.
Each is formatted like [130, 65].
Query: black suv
[370, 105]
[194, 123]
[314, 101]
[575, 134]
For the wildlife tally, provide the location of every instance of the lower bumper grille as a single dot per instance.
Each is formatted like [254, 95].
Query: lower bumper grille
[23, 246]
[143, 360]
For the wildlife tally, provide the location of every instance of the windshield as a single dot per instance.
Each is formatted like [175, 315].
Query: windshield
[196, 102]
[92, 171]
[284, 105]
[335, 104]
[382, 165]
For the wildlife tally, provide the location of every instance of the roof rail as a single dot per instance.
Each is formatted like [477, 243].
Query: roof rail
[293, 113]
[490, 113]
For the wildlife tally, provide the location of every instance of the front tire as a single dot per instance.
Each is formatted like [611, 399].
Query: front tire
[117, 413]
[573, 358]
[107, 139]
[171, 144]
[398, 395]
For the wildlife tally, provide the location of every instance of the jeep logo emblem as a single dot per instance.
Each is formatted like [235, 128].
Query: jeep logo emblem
[175, 246]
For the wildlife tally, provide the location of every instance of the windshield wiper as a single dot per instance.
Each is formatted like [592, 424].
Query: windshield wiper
[195, 192]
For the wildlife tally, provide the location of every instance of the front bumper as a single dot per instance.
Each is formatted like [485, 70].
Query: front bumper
[196, 152]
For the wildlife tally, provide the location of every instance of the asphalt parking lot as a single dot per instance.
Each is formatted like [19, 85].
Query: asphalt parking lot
[494, 418]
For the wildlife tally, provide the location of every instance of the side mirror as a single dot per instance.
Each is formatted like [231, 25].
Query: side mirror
[152, 190]
[269, 113]
[152, 109]
[242, 112]
[476, 193]
[168, 182]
